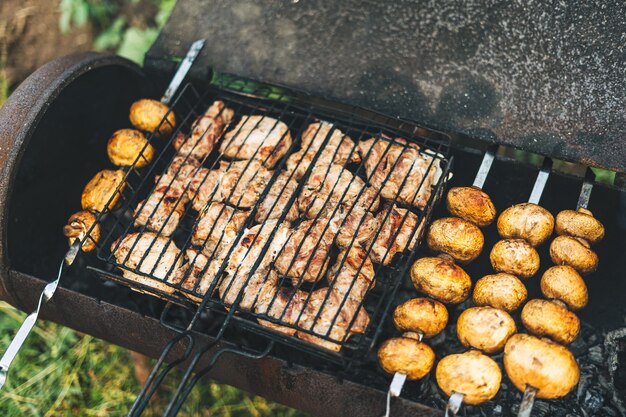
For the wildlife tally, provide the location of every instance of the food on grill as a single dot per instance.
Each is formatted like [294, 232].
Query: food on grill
[162, 210]
[551, 319]
[218, 227]
[456, 237]
[205, 132]
[503, 291]
[257, 137]
[580, 223]
[421, 315]
[355, 225]
[399, 170]
[77, 227]
[544, 365]
[526, 221]
[305, 255]
[352, 273]
[204, 188]
[127, 146]
[441, 279]
[339, 149]
[471, 204]
[241, 271]
[147, 114]
[334, 321]
[472, 374]
[406, 355]
[575, 252]
[280, 303]
[516, 257]
[275, 202]
[101, 192]
[565, 284]
[242, 182]
[149, 254]
[485, 328]
[329, 186]
[399, 231]
[197, 274]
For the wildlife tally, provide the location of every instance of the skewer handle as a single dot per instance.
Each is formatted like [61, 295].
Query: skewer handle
[526, 407]
[394, 389]
[182, 71]
[585, 190]
[485, 166]
[29, 322]
[540, 182]
[454, 404]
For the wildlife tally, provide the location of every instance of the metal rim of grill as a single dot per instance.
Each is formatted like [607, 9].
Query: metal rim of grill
[249, 98]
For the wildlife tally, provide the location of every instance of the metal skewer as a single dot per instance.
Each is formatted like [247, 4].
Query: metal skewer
[397, 383]
[585, 190]
[49, 290]
[485, 166]
[454, 404]
[540, 182]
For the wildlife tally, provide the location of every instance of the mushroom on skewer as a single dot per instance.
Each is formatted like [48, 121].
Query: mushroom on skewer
[149, 115]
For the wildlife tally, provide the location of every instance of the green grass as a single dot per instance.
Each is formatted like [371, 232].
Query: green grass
[60, 372]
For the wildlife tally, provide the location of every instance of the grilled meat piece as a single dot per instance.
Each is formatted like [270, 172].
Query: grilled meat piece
[162, 210]
[339, 149]
[352, 273]
[239, 271]
[356, 226]
[242, 182]
[150, 254]
[257, 137]
[275, 202]
[282, 304]
[197, 274]
[205, 132]
[387, 243]
[305, 255]
[328, 186]
[397, 170]
[218, 226]
[334, 319]
[204, 188]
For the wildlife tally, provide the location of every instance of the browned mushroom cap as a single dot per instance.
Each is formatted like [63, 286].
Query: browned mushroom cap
[472, 374]
[471, 204]
[565, 284]
[456, 237]
[441, 279]
[580, 224]
[546, 366]
[101, 192]
[77, 227]
[146, 114]
[575, 252]
[421, 315]
[485, 328]
[516, 257]
[526, 221]
[406, 355]
[551, 319]
[127, 146]
[503, 291]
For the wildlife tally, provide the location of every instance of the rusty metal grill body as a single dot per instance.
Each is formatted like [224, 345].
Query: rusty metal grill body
[277, 103]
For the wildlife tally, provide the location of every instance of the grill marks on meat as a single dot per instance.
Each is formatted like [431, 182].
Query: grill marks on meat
[162, 210]
[328, 186]
[240, 272]
[242, 182]
[355, 226]
[305, 255]
[197, 274]
[399, 232]
[217, 228]
[149, 254]
[339, 149]
[280, 303]
[352, 273]
[257, 137]
[205, 132]
[334, 312]
[204, 188]
[397, 170]
[276, 200]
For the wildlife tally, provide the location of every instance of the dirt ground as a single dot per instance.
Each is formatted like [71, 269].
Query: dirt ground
[30, 37]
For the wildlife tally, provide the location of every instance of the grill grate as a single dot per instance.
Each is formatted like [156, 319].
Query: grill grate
[297, 113]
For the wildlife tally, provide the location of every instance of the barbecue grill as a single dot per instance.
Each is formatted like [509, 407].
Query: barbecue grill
[451, 79]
